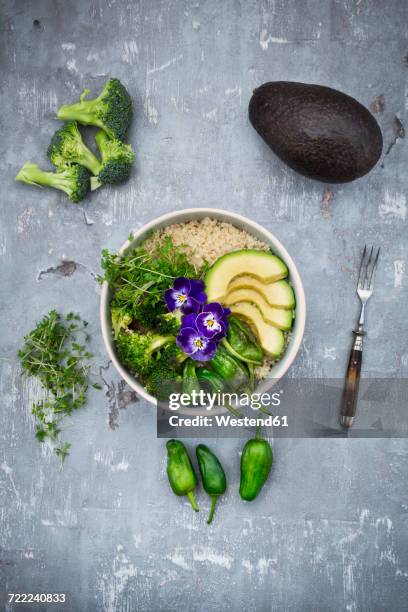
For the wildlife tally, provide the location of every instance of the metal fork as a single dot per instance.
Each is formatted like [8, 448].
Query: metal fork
[365, 287]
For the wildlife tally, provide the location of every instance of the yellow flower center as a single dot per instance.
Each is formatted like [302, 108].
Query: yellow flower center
[198, 343]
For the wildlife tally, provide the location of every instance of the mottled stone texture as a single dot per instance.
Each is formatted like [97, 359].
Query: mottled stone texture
[330, 532]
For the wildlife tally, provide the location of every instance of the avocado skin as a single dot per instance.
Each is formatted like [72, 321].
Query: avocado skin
[320, 132]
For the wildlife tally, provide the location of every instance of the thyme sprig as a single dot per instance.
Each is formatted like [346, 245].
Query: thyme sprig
[55, 352]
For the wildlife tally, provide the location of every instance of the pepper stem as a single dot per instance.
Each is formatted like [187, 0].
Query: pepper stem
[193, 502]
[211, 515]
[251, 375]
[233, 411]
[258, 431]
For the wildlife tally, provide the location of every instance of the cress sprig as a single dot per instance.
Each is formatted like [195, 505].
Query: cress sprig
[139, 278]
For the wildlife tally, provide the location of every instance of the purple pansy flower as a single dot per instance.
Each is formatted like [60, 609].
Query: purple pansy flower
[189, 320]
[212, 321]
[203, 325]
[200, 333]
[186, 294]
[196, 345]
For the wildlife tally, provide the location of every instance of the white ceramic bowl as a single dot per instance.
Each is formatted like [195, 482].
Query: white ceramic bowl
[249, 226]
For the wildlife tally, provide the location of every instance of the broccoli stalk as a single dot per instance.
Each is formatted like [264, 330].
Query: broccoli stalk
[117, 161]
[111, 110]
[67, 147]
[121, 319]
[73, 180]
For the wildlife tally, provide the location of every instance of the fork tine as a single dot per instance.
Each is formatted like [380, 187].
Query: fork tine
[365, 281]
[371, 283]
[361, 265]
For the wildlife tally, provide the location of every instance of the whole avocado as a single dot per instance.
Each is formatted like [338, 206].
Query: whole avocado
[320, 132]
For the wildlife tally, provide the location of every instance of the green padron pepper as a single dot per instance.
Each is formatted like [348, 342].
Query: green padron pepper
[210, 381]
[182, 478]
[212, 475]
[190, 381]
[242, 343]
[256, 463]
[231, 370]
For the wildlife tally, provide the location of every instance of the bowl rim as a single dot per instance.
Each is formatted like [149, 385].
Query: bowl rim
[241, 222]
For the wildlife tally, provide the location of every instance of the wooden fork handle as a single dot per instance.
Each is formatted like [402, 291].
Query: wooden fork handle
[351, 387]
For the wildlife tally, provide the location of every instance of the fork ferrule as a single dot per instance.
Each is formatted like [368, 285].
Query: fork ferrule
[358, 340]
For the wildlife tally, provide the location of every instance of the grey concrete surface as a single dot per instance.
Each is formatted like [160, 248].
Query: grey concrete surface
[330, 532]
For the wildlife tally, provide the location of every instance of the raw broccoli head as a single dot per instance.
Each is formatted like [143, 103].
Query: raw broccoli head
[147, 313]
[117, 160]
[73, 180]
[111, 110]
[163, 381]
[67, 147]
[165, 377]
[173, 355]
[138, 351]
[169, 323]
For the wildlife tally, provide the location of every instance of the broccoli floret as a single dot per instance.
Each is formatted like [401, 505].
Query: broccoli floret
[163, 381]
[165, 377]
[138, 351]
[169, 323]
[73, 180]
[146, 313]
[111, 110]
[173, 355]
[117, 161]
[67, 147]
[121, 319]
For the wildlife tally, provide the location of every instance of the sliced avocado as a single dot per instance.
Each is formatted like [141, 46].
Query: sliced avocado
[262, 265]
[270, 338]
[279, 294]
[282, 319]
